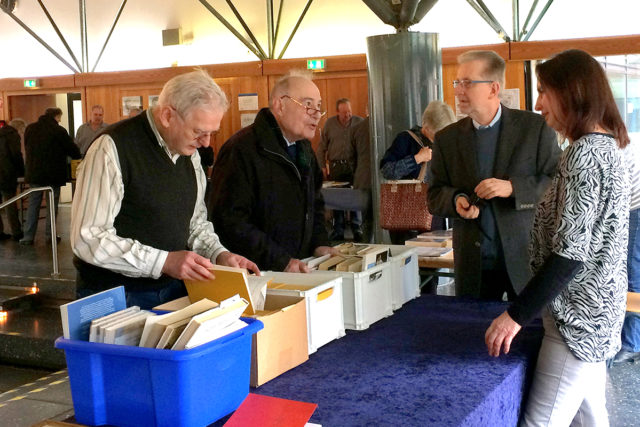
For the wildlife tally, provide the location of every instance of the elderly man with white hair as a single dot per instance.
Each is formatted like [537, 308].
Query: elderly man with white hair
[266, 200]
[138, 216]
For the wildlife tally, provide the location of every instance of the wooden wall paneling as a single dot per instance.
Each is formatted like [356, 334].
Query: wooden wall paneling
[162, 75]
[29, 107]
[596, 46]
[448, 76]
[450, 54]
[232, 120]
[144, 91]
[332, 64]
[108, 97]
[47, 83]
[514, 78]
[3, 99]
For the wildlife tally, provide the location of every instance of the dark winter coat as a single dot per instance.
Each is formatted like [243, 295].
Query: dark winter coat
[11, 162]
[47, 145]
[263, 205]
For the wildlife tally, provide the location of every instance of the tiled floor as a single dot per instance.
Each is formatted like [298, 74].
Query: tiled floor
[29, 395]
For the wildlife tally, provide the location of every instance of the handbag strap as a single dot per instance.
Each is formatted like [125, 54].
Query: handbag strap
[423, 169]
[414, 136]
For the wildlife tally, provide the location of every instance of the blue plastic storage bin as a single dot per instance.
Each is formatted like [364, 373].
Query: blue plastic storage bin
[135, 386]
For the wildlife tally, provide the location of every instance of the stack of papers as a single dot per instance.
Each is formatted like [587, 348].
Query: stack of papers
[228, 282]
[426, 251]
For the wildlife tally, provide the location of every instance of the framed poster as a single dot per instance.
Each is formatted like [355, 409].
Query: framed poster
[131, 103]
[153, 100]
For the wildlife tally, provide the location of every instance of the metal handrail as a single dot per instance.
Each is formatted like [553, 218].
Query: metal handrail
[52, 215]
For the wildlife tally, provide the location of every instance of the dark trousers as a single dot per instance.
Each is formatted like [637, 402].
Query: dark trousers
[11, 212]
[146, 300]
[631, 327]
[495, 283]
[33, 211]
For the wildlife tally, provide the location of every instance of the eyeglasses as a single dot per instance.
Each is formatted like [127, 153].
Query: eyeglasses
[196, 134]
[466, 84]
[310, 110]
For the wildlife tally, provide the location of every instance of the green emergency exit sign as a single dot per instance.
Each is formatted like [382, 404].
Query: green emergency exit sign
[315, 64]
[30, 83]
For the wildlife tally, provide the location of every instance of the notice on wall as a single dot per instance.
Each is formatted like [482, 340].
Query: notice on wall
[129, 103]
[510, 98]
[247, 119]
[153, 100]
[248, 101]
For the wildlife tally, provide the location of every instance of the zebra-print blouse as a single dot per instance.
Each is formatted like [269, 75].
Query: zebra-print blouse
[584, 216]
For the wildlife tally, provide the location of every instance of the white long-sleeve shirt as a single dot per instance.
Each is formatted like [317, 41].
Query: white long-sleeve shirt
[97, 201]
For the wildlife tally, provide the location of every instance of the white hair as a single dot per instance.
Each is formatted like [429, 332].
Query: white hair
[193, 90]
[282, 84]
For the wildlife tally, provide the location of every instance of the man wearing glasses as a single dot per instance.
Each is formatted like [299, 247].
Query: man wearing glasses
[138, 217]
[488, 172]
[266, 202]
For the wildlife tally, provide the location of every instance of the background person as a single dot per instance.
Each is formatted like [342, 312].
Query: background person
[630, 350]
[266, 201]
[87, 132]
[11, 168]
[578, 248]
[488, 171]
[338, 152]
[47, 146]
[138, 217]
[406, 155]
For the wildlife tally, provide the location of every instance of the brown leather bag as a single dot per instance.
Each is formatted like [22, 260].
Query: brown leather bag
[403, 203]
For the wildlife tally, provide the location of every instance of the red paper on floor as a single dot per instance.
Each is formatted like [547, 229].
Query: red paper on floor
[267, 411]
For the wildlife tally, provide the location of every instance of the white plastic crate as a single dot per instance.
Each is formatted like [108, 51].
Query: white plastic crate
[405, 275]
[323, 298]
[366, 295]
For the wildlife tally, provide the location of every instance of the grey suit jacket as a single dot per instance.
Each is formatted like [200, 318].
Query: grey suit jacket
[527, 155]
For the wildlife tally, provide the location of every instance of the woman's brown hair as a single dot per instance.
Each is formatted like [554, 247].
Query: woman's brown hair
[581, 87]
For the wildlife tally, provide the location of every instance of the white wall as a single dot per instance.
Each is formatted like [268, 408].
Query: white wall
[331, 27]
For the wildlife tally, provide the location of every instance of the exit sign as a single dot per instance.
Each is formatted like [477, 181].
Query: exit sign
[30, 83]
[315, 64]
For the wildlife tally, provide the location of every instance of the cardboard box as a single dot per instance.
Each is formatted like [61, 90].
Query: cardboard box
[283, 343]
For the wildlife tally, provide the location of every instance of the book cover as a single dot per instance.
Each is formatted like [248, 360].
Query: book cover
[96, 323]
[77, 315]
[153, 331]
[204, 327]
[230, 281]
[127, 331]
[171, 333]
[267, 411]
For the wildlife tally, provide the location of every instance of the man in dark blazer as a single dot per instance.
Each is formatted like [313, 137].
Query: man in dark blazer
[488, 172]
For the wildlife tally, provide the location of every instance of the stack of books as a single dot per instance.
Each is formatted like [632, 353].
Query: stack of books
[104, 318]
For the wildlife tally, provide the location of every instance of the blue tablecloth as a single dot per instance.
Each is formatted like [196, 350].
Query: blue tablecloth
[427, 365]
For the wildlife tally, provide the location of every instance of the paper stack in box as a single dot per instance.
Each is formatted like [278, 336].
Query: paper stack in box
[282, 343]
[366, 283]
[352, 258]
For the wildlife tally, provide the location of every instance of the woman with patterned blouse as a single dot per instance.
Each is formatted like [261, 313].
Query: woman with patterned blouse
[578, 249]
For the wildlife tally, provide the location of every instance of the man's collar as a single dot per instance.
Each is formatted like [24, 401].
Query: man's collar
[493, 122]
[289, 144]
[161, 141]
